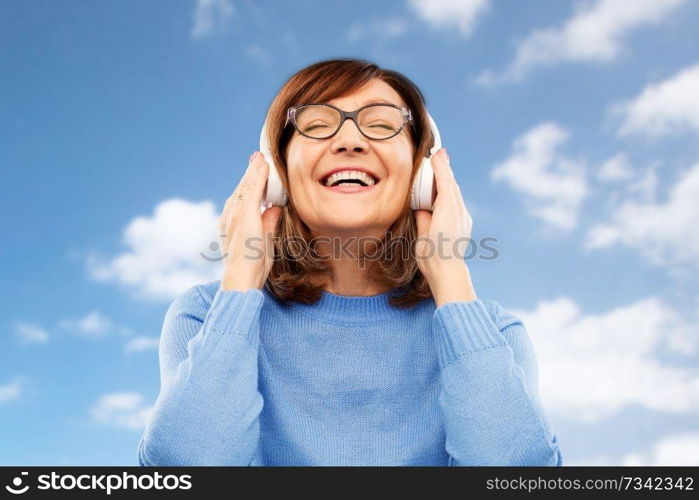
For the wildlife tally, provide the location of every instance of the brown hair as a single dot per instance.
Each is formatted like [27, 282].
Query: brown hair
[320, 82]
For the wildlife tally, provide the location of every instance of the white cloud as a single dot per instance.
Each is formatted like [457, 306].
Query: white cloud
[93, 325]
[460, 14]
[663, 232]
[645, 185]
[384, 28]
[553, 186]
[616, 168]
[142, 344]
[122, 409]
[591, 366]
[10, 391]
[258, 53]
[30, 333]
[594, 33]
[167, 251]
[664, 107]
[627, 181]
[210, 16]
[679, 449]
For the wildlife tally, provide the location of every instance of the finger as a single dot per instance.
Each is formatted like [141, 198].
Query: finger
[422, 219]
[234, 195]
[241, 189]
[460, 200]
[449, 173]
[247, 179]
[450, 186]
[468, 212]
[457, 193]
[256, 186]
[249, 195]
[443, 175]
[270, 218]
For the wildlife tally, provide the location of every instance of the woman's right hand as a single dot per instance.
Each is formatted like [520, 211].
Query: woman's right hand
[247, 234]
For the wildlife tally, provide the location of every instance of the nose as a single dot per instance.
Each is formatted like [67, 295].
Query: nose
[349, 138]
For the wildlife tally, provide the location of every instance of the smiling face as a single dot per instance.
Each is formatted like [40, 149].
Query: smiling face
[351, 210]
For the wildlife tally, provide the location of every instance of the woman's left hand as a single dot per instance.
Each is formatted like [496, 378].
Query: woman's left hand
[444, 236]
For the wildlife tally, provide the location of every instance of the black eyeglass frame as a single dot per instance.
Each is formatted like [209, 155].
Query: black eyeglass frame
[344, 115]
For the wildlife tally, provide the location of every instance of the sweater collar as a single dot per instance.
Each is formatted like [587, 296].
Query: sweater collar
[351, 308]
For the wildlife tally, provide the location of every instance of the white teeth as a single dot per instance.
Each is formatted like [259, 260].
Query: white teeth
[350, 174]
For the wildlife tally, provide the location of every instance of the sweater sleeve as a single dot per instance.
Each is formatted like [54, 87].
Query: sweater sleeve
[489, 389]
[207, 411]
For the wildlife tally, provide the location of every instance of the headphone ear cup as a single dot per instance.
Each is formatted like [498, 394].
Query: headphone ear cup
[275, 192]
[414, 190]
[423, 192]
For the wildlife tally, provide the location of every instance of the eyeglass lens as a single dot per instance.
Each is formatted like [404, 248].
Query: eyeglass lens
[377, 122]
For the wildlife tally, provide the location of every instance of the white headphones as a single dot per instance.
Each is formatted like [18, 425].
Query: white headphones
[422, 195]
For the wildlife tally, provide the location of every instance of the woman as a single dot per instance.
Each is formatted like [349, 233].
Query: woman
[310, 354]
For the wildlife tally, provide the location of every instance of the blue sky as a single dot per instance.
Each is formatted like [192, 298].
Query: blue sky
[571, 127]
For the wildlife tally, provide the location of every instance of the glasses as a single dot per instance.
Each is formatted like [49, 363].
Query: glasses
[374, 121]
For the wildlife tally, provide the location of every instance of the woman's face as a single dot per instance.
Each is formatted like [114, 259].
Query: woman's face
[339, 211]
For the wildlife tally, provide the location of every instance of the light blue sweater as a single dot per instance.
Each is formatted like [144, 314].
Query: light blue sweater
[246, 380]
